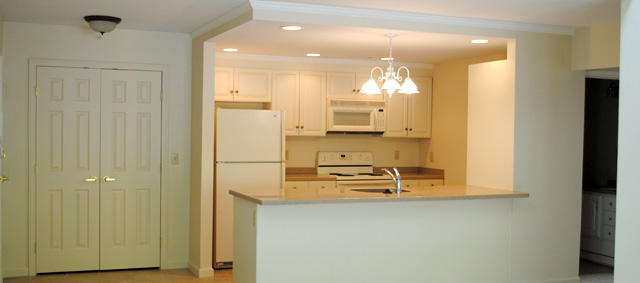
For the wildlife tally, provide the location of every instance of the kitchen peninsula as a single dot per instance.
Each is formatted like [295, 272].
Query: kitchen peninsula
[429, 234]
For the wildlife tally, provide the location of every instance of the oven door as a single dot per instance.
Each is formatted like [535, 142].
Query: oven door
[347, 119]
[356, 184]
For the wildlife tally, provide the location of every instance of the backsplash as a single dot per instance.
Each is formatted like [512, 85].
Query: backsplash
[302, 150]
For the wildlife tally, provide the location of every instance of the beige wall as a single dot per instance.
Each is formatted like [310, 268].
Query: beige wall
[597, 47]
[25, 41]
[449, 126]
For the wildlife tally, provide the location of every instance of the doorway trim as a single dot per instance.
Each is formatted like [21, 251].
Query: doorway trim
[164, 160]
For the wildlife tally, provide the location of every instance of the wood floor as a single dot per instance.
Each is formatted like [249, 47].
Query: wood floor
[145, 275]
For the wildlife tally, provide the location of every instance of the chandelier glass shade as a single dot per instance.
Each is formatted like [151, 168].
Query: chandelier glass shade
[391, 78]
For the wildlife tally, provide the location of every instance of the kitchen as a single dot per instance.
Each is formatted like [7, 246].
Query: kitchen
[549, 203]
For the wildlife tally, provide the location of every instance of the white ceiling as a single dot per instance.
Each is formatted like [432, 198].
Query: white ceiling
[264, 38]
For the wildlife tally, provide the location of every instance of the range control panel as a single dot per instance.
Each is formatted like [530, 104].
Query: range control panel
[343, 158]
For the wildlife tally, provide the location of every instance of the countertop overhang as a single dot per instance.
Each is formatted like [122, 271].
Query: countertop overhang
[461, 192]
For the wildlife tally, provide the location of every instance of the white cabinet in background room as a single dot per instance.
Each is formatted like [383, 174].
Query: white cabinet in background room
[598, 227]
[242, 84]
[347, 85]
[409, 115]
[302, 95]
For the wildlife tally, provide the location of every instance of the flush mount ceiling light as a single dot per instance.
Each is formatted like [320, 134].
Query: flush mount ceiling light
[480, 41]
[102, 24]
[230, 50]
[313, 54]
[291, 27]
[391, 79]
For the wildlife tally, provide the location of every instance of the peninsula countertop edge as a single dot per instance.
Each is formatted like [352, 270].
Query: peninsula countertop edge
[434, 193]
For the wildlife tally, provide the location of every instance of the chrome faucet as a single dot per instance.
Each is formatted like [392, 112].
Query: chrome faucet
[396, 179]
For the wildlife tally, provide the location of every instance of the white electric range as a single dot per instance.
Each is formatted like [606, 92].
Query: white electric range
[353, 169]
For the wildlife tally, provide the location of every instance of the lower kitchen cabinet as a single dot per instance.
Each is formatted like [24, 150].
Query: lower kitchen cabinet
[301, 187]
[597, 241]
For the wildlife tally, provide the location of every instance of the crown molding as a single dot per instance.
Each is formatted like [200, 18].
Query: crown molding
[327, 61]
[408, 17]
[228, 16]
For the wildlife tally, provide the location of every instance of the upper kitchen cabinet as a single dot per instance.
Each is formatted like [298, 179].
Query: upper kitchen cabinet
[347, 85]
[409, 115]
[302, 95]
[242, 85]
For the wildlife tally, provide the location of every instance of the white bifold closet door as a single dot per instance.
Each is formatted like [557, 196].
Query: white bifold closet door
[98, 169]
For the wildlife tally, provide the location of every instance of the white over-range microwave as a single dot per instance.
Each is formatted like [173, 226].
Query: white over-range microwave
[355, 116]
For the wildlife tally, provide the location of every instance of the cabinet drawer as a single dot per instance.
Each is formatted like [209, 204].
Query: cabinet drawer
[431, 182]
[410, 183]
[609, 218]
[609, 203]
[609, 233]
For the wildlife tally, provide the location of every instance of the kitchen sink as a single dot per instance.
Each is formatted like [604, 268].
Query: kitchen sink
[384, 191]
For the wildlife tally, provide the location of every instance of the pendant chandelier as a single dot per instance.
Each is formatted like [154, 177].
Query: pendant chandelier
[391, 79]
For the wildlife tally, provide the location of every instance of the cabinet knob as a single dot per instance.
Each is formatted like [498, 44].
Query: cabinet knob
[411, 129]
[610, 219]
[301, 127]
[406, 129]
[433, 185]
[358, 90]
[231, 91]
[297, 127]
[236, 91]
[354, 90]
[609, 233]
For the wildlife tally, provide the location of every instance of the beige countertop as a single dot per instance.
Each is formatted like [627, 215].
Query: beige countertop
[462, 192]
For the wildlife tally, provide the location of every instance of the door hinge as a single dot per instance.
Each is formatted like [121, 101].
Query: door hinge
[35, 170]
[36, 247]
[161, 243]
[161, 95]
[160, 168]
[36, 91]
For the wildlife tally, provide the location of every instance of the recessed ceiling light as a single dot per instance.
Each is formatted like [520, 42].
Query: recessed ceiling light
[386, 58]
[230, 50]
[291, 27]
[313, 54]
[480, 41]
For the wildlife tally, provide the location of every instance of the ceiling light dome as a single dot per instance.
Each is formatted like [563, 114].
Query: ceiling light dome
[102, 24]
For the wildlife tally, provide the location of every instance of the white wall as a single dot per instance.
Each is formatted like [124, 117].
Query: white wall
[449, 134]
[628, 211]
[596, 47]
[490, 125]
[25, 41]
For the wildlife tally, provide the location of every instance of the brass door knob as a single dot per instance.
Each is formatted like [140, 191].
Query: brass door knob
[91, 179]
[109, 179]
[4, 179]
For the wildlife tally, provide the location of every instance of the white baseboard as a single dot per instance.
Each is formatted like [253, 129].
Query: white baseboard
[21, 272]
[200, 272]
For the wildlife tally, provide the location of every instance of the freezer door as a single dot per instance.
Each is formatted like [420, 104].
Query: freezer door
[249, 135]
[253, 178]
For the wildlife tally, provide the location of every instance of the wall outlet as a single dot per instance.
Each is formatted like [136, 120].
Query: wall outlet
[431, 158]
[175, 158]
[396, 155]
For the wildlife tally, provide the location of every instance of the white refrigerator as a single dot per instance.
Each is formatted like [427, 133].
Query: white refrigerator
[249, 154]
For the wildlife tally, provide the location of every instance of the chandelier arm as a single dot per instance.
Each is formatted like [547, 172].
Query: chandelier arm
[380, 78]
[398, 77]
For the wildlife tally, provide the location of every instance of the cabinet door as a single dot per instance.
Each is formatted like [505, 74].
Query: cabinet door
[361, 79]
[396, 116]
[591, 216]
[313, 101]
[420, 110]
[341, 85]
[431, 182]
[252, 85]
[224, 84]
[286, 92]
